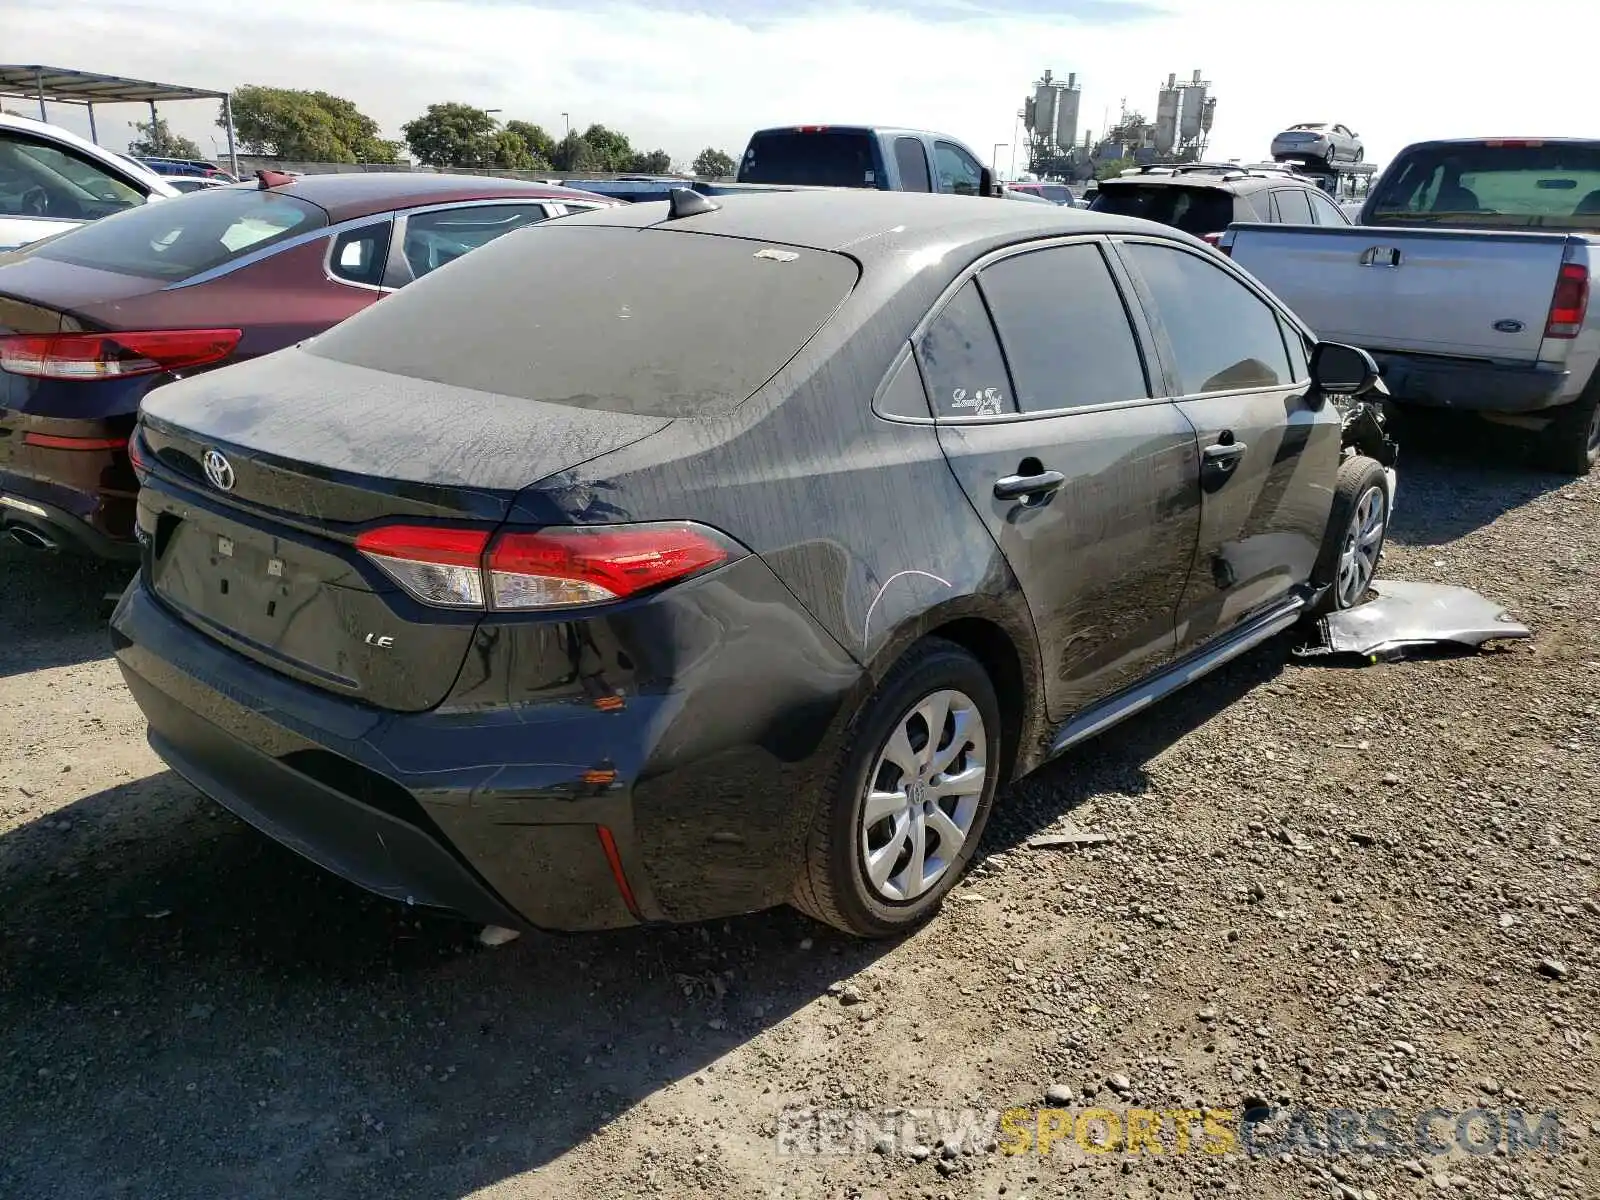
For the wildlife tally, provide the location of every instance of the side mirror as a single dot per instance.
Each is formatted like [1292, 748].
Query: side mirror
[986, 184]
[1340, 370]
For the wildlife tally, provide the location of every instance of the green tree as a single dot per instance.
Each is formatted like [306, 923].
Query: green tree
[511, 153]
[713, 162]
[612, 147]
[156, 140]
[655, 162]
[308, 126]
[539, 143]
[1110, 168]
[573, 153]
[455, 135]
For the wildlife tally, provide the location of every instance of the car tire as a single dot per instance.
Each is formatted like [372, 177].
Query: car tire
[1358, 526]
[1570, 444]
[858, 874]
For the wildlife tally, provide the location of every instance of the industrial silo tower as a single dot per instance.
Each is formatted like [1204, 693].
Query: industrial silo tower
[1050, 115]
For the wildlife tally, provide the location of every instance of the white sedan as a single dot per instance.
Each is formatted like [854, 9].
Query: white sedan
[51, 180]
[1318, 141]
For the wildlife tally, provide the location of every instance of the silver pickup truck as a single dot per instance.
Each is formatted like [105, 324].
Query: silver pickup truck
[1467, 278]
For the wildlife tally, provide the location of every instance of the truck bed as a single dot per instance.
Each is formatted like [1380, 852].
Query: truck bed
[1481, 294]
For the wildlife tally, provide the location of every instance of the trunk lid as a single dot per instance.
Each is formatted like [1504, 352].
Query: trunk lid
[65, 287]
[316, 451]
[1431, 291]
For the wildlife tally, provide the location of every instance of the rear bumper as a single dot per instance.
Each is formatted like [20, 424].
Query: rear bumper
[1473, 385]
[498, 814]
[24, 504]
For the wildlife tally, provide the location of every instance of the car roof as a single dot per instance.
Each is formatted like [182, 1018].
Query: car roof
[349, 194]
[874, 225]
[1223, 183]
[889, 130]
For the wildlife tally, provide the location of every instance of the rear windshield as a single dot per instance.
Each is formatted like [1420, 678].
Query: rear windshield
[182, 236]
[645, 321]
[1551, 186]
[825, 159]
[1195, 210]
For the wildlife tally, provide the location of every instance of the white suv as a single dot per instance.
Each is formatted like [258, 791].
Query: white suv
[52, 179]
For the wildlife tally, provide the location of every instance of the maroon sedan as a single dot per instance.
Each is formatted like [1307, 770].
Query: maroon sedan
[92, 319]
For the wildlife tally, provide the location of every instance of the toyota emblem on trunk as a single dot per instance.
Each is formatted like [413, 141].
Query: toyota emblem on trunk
[218, 470]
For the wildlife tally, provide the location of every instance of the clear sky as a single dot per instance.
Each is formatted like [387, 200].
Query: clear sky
[684, 74]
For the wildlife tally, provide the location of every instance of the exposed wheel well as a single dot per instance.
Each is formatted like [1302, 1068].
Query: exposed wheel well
[991, 646]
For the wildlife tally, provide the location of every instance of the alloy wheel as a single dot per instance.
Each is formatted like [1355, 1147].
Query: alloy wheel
[922, 795]
[1363, 542]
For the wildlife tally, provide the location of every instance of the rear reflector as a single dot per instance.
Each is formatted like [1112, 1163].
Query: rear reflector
[51, 441]
[88, 356]
[1570, 304]
[552, 568]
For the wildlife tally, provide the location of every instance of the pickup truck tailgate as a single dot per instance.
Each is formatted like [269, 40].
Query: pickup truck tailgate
[1481, 294]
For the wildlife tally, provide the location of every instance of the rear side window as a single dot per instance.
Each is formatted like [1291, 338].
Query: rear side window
[1055, 192]
[359, 255]
[1293, 207]
[182, 236]
[829, 158]
[1196, 210]
[962, 367]
[658, 323]
[1223, 336]
[1325, 211]
[1064, 328]
[912, 159]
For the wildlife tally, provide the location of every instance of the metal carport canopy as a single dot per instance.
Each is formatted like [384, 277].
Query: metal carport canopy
[61, 85]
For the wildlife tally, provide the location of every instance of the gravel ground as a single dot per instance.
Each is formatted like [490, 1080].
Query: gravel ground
[1325, 888]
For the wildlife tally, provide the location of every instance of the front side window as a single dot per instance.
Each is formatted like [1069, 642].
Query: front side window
[1223, 336]
[41, 180]
[962, 367]
[436, 238]
[1065, 330]
[959, 172]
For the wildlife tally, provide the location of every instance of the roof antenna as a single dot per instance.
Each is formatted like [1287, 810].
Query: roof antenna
[686, 202]
[270, 179]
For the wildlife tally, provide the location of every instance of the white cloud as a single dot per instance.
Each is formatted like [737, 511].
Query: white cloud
[1396, 71]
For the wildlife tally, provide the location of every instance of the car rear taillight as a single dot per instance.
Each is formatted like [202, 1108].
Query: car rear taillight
[1570, 304]
[87, 356]
[136, 456]
[1211, 239]
[550, 568]
[442, 567]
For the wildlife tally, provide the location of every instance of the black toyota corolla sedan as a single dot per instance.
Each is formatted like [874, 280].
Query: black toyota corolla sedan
[684, 559]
